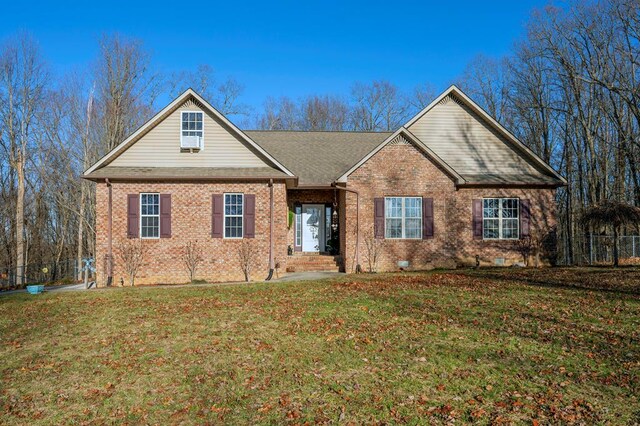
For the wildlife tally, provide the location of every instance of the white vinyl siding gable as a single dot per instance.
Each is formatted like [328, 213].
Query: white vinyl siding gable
[468, 144]
[160, 147]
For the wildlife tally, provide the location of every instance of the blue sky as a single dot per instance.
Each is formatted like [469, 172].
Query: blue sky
[285, 48]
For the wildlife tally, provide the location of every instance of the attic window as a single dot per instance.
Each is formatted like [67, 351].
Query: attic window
[191, 135]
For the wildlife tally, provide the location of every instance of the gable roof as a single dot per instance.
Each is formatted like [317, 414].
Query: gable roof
[487, 154]
[318, 158]
[142, 130]
[484, 153]
[403, 132]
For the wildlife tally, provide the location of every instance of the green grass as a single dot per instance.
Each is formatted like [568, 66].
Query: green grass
[489, 346]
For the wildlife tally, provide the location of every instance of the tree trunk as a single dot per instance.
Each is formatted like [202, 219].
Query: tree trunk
[80, 231]
[20, 267]
[615, 246]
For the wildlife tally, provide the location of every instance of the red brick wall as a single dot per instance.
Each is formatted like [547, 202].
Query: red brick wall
[397, 170]
[402, 170]
[191, 221]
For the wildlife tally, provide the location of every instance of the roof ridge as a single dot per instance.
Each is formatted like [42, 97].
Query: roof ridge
[318, 131]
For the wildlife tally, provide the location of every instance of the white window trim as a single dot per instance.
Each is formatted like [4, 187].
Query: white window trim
[298, 226]
[500, 219]
[148, 215]
[403, 237]
[201, 141]
[224, 216]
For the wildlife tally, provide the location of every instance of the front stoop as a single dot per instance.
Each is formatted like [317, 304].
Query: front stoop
[313, 262]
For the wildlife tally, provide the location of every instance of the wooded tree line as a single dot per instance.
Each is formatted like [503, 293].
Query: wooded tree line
[569, 91]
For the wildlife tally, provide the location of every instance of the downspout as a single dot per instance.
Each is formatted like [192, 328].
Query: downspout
[271, 261]
[353, 191]
[109, 236]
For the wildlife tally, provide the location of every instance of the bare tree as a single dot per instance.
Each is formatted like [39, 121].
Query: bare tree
[378, 106]
[202, 80]
[525, 246]
[485, 80]
[374, 248]
[192, 258]
[132, 255]
[125, 87]
[324, 113]
[279, 114]
[247, 257]
[224, 96]
[22, 84]
[49, 134]
[421, 97]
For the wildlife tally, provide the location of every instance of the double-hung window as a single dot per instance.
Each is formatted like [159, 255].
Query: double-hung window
[500, 218]
[233, 215]
[403, 217]
[191, 134]
[149, 215]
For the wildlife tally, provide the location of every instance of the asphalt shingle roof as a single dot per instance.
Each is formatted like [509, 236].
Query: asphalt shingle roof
[185, 173]
[317, 158]
[513, 179]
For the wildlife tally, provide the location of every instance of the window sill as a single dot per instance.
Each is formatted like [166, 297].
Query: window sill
[405, 239]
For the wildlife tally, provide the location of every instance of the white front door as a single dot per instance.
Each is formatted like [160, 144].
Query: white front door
[313, 227]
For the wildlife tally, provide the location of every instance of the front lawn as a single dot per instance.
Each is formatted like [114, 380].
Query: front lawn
[547, 346]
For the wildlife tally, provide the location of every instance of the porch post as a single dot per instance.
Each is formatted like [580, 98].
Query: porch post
[357, 250]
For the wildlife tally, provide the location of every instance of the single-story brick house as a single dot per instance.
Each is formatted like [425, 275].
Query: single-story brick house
[450, 187]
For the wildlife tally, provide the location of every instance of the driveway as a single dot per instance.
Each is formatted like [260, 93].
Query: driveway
[296, 276]
[61, 288]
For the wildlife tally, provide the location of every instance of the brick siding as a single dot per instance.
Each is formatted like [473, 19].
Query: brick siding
[396, 170]
[402, 170]
[191, 221]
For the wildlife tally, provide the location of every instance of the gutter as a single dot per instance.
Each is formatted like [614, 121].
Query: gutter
[109, 235]
[353, 191]
[183, 178]
[512, 185]
[271, 260]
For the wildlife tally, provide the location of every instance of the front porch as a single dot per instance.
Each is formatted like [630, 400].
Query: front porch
[314, 236]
